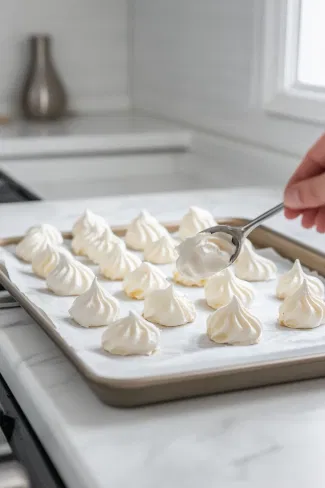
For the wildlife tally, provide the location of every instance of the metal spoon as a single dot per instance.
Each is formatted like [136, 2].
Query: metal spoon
[239, 234]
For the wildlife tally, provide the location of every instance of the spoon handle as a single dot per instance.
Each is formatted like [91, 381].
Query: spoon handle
[266, 215]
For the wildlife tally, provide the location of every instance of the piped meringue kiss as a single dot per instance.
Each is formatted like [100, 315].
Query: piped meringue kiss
[186, 281]
[220, 289]
[69, 277]
[46, 260]
[143, 280]
[131, 335]
[118, 262]
[86, 221]
[95, 307]
[303, 309]
[194, 221]
[169, 308]
[101, 245]
[82, 242]
[36, 240]
[161, 251]
[234, 324]
[289, 282]
[250, 266]
[143, 229]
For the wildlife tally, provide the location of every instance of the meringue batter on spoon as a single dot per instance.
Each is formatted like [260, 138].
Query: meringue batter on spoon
[216, 248]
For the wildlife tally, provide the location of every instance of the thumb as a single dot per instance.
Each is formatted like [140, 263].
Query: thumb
[308, 193]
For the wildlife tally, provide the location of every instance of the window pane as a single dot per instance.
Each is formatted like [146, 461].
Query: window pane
[311, 59]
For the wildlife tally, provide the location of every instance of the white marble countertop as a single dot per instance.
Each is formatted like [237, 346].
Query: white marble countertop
[260, 438]
[82, 135]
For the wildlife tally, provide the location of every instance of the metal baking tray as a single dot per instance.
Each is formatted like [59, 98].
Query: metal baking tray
[141, 391]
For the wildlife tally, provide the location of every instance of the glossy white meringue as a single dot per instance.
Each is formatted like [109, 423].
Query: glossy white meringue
[46, 260]
[143, 280]
[131, 335]
[36, 239]
[233, 324]
[289, 282]
[69, 277]
[161, 251]
[118, 262]
[143, 229]
[303, 309]
[101, 245]
[169, 308]
[250, 266]
[186, 281]
[83, 241]
[194, 221]
[220, 288]
[95, 307]
[86, 221]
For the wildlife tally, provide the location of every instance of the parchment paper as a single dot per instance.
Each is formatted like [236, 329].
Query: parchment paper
[183, 349]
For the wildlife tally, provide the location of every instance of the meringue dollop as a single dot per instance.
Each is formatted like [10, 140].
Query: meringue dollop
[289, 282]
[233, 324]
[186, 281]
[95, 308]
[143, 229]
[118, 262]
[69, 277]
[86, 221]
[161, 251]
[36, 239]
[82, 242]
[220, 288]
[169, 308]
[101, 245]
[143, 280]
[303, 309]
[194, 221]
[250, 266]
[131, 335]
[46, 260]
[203, 255]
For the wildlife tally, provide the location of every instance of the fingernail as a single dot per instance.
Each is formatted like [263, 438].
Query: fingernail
[292, 198]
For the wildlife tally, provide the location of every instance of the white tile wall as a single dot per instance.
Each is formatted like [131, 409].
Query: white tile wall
[200, 62]
[90, 48]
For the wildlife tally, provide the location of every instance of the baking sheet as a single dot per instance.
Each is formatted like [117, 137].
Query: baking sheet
[184, 349]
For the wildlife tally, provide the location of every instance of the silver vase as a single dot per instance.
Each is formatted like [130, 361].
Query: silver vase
[43, 95]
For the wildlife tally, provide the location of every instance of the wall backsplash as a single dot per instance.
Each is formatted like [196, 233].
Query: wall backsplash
[89, 49]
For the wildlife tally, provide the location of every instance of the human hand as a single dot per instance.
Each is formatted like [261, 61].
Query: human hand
[305, 192]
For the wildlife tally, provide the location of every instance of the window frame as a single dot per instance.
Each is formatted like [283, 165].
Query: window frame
[283, 94]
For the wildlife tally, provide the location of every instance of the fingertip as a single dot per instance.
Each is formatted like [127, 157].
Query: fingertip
[308, 218]
[291, 214]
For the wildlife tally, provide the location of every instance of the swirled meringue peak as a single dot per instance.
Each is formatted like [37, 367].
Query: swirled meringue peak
[233, 324]
[82, 242]
[46, 260]
[194, 221]
[250, 266]
[118, 262]
[101, 245]
[35, 241]
[52, 233]
[289, 282]
[161, 251]
[86, 221]
[143, 229]
[143, 280]
[69, 277]
[169, 308]
[303, 309]
[131, 335]
[220, 288]
[95, 307]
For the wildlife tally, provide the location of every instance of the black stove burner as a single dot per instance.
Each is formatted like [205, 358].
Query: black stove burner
[11, 191]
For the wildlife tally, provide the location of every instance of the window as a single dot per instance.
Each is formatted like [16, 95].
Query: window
[294, 61]
[311, 45]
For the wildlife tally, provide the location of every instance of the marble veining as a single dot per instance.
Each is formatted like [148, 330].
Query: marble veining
[264, 437]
